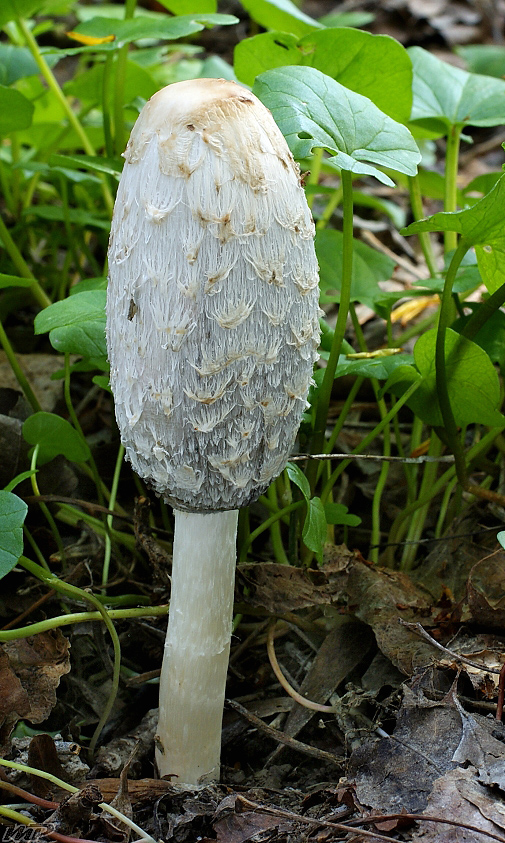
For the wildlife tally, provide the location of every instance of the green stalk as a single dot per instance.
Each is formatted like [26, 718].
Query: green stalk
[80, 594]
[451, 182]
[21, 266]
[275, 529]
[368, 439]
[330, 207]
[76, 424]
[106, 117]
[55, 89]
[416, 524]
[18, 372]
[112, 503]
[266, 525]
[416, 203]
[48, 515]
[450, 426]
[121, 62]
[324, 392]
[484, 312]
[315, 172]
[82, 617]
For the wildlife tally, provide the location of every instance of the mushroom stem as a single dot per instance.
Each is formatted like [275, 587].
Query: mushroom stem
[195, 661]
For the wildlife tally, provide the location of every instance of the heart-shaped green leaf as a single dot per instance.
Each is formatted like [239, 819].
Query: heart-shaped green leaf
[472, 381]
[376, 66]
[280, 14]
[312, 110]
[143, 26]
[12, 515]
[481, 226]
[16, 112]
[55, 436]
[446, 96]
[76, 324]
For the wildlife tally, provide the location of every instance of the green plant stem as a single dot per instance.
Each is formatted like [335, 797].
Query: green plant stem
[473, 454]
[439, 529]
[367, 440]
[112, 503]
[18, 372]
[484, 312]
[451, 181]
[324, 392]
[416, 203]
[72, 516]
[275, 529]
[82, 617]
[416, 524]
[330, 207]
[450, 427]
[106, 93]
[49, 518]
[76, 424]
[56, 584]
[121, 63]
[315, 172]
[55, 89]
[21, 266]
[266, 526]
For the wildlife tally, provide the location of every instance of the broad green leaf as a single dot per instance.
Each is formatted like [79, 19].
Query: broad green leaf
[75, 215]
[314, 528]
[76, 324]
[380, 368]
[491, 337]
[88, 86]
[481, 226]
[16, 112]
[297, 477]
[55, 436]
[488, 59]
[280, 14]
[96, 163]
[12, 515]
[14, 281]
[446, 96]
[187, 7]
[368, 268]
[337, 513]
[88, 284]
[144, 26]
[472, 381]
[13, 9]
[376, 66]
[17, 62]
[312, 110]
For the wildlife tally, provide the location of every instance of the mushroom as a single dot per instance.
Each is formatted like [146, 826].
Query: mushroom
[212, 333]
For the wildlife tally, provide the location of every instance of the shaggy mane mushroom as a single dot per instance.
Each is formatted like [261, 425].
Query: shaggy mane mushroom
[212, 331]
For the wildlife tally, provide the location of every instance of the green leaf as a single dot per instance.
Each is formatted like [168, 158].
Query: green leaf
[17, 62]
[16, 112]
[472, 381]
[337, 513]
[314, 528]
[12, 515]
[14, 281]
[376, 66]
[76, 324]
[186, 7]
[368, 268]
[280, 14]
[75, 215]
[55, 436]
[488, 59]
[95, 163]
[380, 368]
[88, 86]
[491, 337]
[482, 226]
[13, 9]
[446, 96]
[162, 28]
[297, 477]
[312, 110]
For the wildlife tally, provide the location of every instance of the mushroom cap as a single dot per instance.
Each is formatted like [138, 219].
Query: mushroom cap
[212, 303]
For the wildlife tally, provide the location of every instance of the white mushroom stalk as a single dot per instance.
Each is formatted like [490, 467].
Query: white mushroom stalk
[212, 332]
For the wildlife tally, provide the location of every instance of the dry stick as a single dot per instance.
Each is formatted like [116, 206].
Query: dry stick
[419, 630]
[289, 815]
[377, 457]
[281, 737]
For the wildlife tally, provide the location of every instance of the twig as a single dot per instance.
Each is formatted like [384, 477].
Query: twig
[378, 457]
[419, 630]
[376, 244]
[351, 825]
[280, 737]
[306, 703]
